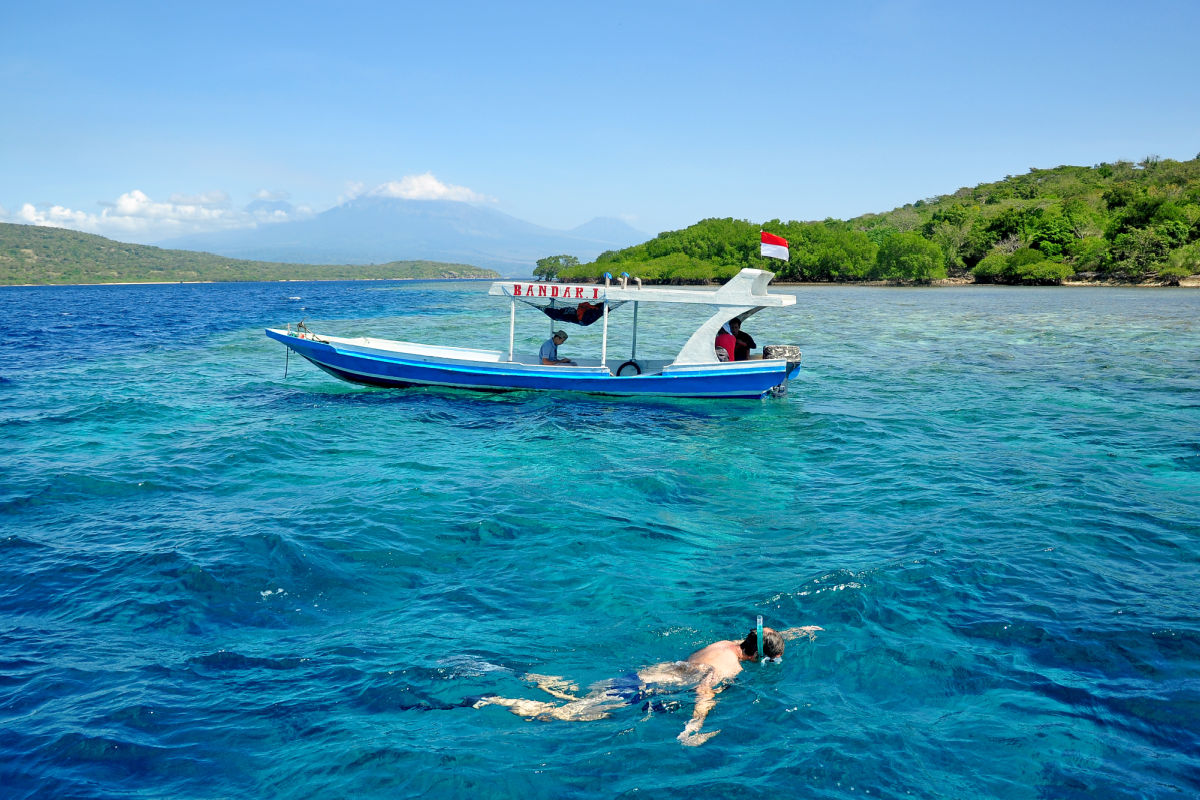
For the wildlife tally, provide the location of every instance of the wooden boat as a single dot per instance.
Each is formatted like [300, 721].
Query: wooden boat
[696, 370]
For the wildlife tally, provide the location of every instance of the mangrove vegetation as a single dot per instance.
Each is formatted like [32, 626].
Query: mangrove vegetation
[1120, 222]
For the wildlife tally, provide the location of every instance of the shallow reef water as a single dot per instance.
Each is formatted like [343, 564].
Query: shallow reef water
[219, 581]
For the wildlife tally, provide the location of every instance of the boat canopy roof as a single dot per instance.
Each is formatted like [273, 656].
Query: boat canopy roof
[746, 289]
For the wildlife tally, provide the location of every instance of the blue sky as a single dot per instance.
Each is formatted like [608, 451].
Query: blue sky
[144, 120]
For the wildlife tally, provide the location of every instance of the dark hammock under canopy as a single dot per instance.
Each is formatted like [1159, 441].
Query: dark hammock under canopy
[583, 313]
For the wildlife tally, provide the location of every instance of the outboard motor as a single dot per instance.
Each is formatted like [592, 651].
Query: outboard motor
[790, 352]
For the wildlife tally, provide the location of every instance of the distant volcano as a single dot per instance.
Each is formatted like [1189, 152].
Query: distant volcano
[375, 230]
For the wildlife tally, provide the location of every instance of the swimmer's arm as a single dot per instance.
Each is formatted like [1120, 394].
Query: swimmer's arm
[795, 633]
[705, 700]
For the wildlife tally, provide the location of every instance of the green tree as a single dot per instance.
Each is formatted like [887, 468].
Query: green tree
[1052, 233]
[1137, 252]
[1042, 272]
[979, 242]
[548, 268]
[824, 251]
[992, 268]
[1084, 217]
[1025, 265]
[955, 243]
[1024, 257]
[851, 255]
[910, 257]
[1181, 263]
[1088, 254]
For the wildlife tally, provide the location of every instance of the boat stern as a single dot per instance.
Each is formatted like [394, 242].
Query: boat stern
[789, 353]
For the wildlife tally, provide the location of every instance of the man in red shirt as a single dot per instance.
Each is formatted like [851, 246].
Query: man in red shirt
[726, 341]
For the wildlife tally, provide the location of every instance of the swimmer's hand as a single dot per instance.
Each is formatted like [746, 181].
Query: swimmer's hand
[691, 736]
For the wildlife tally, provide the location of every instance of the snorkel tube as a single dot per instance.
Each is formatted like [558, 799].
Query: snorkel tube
[764, 659]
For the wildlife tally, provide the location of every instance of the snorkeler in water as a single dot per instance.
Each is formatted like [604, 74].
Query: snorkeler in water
[706, 671]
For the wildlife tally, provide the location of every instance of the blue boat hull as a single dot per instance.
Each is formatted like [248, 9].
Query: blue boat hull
[743, 379]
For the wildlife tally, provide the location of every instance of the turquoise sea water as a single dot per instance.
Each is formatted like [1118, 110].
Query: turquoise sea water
[218, 582]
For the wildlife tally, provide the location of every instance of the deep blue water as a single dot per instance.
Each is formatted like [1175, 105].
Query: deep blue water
[218, 582]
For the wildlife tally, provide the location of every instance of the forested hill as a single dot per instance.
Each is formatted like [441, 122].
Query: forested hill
[40, 255]
[1122, 221]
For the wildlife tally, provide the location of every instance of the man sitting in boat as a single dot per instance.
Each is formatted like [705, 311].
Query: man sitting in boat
[726, 344]
[705, 673]
[549, 351]
[743, 342]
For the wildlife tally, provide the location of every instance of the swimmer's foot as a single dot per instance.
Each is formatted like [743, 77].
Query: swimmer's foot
[695, 739]
[691, 736]
[481, 702]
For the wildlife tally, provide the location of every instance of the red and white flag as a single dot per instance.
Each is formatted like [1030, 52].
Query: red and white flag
[774, 246]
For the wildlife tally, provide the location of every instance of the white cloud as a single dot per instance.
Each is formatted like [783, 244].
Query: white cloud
[179, 209]
[54, 216]
[427, 187]
[353, 190]
[136, 216]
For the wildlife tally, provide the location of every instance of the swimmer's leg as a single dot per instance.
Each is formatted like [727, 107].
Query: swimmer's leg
[589, 708]
[554, 686]
[518, 706]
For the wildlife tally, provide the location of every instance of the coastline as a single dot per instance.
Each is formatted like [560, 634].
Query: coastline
[278, 280]
[1192, 282]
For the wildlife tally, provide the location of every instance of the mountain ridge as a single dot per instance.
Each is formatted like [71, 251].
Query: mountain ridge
[39, 255]
[372, 229]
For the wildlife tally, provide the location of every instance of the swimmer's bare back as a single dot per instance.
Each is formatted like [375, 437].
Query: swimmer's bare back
[675, 674]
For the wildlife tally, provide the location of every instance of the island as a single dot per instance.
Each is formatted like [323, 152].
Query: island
[37, 255]
[1111, 223]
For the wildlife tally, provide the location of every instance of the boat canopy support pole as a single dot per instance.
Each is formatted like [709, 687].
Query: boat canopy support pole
[512, 325]
[604, 341]
[633, 350]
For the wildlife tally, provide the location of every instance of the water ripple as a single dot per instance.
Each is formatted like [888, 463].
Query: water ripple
[217, 582]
